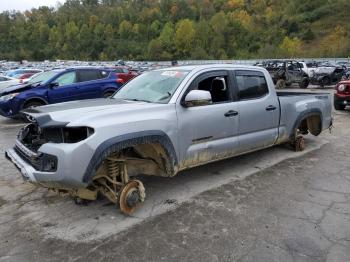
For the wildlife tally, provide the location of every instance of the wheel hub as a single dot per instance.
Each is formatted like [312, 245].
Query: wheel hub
[130, 196]
[133, 198]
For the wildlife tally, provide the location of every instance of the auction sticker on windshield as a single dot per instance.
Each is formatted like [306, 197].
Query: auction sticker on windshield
[174, 73]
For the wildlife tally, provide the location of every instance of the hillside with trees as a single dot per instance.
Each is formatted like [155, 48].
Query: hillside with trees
[177, 29]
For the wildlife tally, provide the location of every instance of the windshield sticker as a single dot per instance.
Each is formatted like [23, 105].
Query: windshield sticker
[173, 73]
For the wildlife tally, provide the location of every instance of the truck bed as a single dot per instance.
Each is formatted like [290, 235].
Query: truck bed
[293, 103]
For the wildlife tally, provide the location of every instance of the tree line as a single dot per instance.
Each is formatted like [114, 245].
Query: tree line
[177, 29]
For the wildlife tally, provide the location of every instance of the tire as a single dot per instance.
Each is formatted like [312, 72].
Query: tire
[304, 83]
[108, 94]
[339, 107]
[326, 81]
[28, 105]
[280, 84]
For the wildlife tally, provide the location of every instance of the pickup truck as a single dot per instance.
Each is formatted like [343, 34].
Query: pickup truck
[160, 123]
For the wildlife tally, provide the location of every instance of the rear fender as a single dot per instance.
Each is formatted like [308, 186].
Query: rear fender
[314, 122]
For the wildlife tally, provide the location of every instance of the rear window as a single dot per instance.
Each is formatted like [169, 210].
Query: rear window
[251, 84]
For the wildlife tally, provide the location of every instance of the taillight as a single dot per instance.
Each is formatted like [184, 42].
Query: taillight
[120, 81]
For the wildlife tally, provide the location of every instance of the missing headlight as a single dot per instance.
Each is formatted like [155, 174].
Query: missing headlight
[76, 134]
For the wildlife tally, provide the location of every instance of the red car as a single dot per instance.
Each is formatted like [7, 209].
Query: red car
[124, 74]
[342, 95]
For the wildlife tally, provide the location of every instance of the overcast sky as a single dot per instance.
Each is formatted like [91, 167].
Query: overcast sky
[25, 4]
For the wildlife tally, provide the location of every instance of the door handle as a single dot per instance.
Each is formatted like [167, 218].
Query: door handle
[270, 108]
[231, 113]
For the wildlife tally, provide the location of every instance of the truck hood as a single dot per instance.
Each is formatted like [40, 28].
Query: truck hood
[85, 111]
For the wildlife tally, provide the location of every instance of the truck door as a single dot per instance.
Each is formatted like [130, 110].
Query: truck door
[259, 111]
[209, 132]
[64, 89]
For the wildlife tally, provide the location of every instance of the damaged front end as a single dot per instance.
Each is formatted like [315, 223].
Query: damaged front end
[32, 137]
[33, 162]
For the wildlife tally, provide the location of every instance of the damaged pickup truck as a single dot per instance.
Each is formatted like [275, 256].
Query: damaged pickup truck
[159, 124]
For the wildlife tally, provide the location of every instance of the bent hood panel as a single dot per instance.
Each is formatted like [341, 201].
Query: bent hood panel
[86, 111]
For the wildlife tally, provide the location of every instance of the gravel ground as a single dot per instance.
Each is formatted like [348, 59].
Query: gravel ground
[273, 205]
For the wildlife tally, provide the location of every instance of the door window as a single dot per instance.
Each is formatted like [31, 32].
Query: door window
[89, 75]
[66, 79]
[251, 84]
[216, 84]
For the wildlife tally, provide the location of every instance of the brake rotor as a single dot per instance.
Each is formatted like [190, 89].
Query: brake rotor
[130, 196]
[299, 144]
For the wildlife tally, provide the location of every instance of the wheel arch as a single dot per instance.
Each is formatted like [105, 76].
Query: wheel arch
[116, 144]
[32, 99]
[310, 119]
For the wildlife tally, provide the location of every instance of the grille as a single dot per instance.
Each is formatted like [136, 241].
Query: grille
[36, 163]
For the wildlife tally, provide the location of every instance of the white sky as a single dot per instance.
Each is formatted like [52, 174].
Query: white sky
[23, 5]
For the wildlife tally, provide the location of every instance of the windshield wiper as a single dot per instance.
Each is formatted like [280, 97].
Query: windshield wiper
[165, 96]
[138, 100]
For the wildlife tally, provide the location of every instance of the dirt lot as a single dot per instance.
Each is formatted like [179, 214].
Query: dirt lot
[273, 205]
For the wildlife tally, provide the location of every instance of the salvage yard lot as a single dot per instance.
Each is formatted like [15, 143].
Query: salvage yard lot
[272, 205]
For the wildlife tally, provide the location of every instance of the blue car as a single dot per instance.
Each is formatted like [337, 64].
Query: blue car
[58, 86]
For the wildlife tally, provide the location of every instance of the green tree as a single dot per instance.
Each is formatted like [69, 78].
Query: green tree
[184, 37]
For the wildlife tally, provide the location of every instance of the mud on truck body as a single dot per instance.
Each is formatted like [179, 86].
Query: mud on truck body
[159, 124]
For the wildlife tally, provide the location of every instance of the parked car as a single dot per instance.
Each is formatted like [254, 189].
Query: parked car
[287, 72]
[328, 75]
[6, 81]
[308, 67]
[17, 73]
[125, 74]
[58, 86]
[160, 123]
[342, 95]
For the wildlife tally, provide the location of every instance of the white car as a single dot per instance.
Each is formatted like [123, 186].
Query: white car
[6, 81]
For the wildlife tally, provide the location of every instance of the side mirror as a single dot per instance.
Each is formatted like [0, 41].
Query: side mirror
[197, 98]
[53, 85]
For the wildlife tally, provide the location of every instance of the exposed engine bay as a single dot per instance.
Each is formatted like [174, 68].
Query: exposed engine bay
[33, 137]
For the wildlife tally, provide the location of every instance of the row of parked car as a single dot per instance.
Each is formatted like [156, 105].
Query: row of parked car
[288, 72]
[25, 88]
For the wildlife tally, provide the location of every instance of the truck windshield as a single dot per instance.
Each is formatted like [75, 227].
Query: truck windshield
[42, 77]
[152, 87]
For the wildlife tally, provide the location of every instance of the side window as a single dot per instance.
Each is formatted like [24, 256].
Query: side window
[88, 75]
[217, 85]
[118, 70]
[66, 79]
[251, 85]
[125, 71]
[3, 78]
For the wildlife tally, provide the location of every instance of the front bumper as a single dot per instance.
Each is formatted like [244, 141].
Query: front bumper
[342, 100]
[27, 171]
[9, 108]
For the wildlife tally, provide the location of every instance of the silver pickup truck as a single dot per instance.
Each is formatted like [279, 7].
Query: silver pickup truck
[161, 123]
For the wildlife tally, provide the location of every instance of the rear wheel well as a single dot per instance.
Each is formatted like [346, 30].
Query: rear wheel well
[312, 124]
